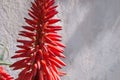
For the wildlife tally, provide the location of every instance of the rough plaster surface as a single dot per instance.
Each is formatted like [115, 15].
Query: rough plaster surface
[91, 31]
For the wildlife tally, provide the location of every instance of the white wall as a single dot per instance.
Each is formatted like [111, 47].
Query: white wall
[91, 31]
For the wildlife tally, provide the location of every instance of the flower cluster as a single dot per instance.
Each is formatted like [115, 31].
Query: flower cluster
[41, 50]
[4, 75]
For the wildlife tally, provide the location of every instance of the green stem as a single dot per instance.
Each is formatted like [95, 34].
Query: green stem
[4, 63]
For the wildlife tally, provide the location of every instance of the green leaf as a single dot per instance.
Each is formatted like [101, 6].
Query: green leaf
[4, 63]
[4, 49]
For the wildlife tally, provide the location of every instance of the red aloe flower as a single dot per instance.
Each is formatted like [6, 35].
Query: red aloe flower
[4, 75]
[41, 50]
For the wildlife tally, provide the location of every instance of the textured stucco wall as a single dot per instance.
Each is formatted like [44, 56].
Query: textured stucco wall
[91, 31]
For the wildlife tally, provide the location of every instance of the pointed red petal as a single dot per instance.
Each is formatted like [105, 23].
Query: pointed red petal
[28, 28]
[52, 21]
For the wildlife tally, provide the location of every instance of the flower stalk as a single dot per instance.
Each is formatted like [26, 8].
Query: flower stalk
[42, 48]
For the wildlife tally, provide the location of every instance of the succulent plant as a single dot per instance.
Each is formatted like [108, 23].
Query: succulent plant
[41, 49]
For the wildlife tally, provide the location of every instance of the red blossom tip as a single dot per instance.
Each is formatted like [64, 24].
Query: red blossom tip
[4, 75]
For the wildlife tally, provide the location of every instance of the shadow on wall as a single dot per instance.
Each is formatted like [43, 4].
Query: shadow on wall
[100, 17]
